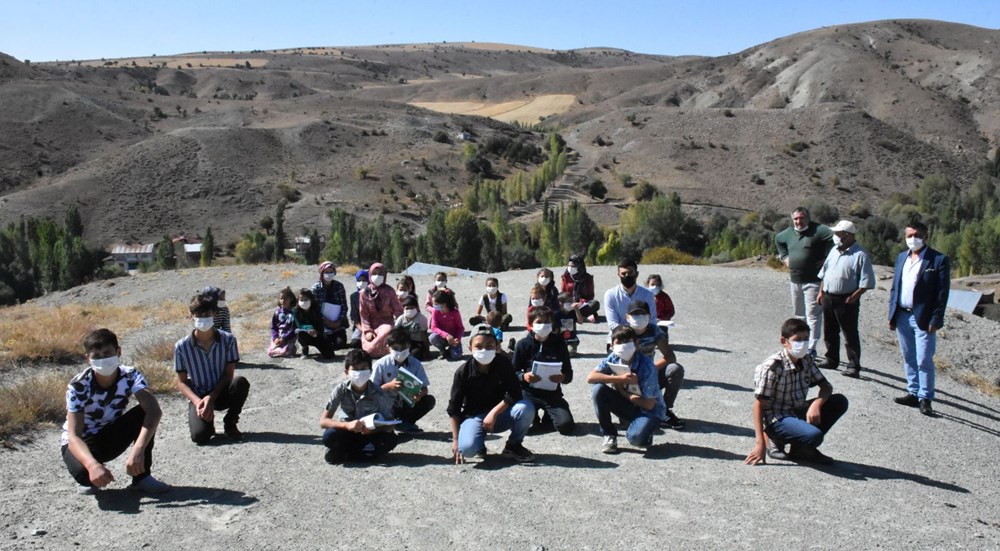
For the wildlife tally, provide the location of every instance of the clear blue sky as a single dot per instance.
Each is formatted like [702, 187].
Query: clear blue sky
[46, 30]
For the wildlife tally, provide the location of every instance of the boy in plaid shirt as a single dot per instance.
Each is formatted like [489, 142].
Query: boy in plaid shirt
[781, 413]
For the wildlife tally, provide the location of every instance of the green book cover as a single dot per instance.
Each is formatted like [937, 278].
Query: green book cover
[411, 386]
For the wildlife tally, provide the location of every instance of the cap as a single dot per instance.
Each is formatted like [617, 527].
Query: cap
[482, 330]
[362, 274]
[845, 226]
[638, 306]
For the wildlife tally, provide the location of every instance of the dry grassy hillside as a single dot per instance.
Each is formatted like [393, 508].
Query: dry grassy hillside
[156, 145]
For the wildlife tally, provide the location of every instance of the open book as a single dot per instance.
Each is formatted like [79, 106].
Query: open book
[412, 386]
[621, 369]
[376, 420]
[665, 323]
[331, 311]
[545, 370]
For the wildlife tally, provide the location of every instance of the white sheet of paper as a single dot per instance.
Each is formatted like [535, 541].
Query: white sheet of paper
[376, 420]
[331, 311]
[621, 369]
[665, 323]
[545, 370]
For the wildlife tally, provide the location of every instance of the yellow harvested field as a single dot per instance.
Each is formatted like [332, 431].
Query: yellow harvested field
[526, 111]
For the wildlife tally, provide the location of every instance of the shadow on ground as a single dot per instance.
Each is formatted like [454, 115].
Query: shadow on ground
[127, 502]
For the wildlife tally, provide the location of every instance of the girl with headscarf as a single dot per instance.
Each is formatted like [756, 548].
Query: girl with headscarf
[332, 299]
[577, 282]
[379, 309]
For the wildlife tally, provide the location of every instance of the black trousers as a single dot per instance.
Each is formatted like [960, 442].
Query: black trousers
[839, 316]
[347, 445]
[409, 414]
[231, 401]
[320, 342]
[590, 308]
[555, 407]
[109, 443]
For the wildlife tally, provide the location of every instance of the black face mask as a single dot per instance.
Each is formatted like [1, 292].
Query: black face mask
[628, 281]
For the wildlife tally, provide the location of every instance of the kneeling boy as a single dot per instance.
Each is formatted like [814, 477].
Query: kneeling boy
[543, 345]
[781, 413]
[409, 407]
[349, 438]
[98, 429]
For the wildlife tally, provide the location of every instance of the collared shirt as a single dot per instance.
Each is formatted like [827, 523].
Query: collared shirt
[805, 251]
[100, 406]
[386, 369]
[649, 386]
[784, 384]
[616, 301]
[354, 405]
[908, 281]
[844, 272]
[205, 369]
[476, 393]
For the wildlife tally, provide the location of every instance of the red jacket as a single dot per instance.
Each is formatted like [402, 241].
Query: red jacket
[664, 306]
[581, 290]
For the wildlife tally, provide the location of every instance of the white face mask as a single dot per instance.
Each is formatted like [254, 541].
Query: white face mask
[378, 280]
[625, 351]
[360, 284]
[304, 304]
[441, 283]
[544, 281]
[542, 330]
[914, 243]
[484, 357]
[439, 307]
[410, 313]
[491, 291]
[105, 366]
[203, 324]
[360, 378]
[222, 304]
[536, 302]
[639, 322]
[573, 270]
[655, 289]
[399, 356]
[798, 349]
[401, 294]
[329, 276]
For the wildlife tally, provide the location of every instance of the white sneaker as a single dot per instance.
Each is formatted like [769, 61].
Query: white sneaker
[610, 445]
[149, 485]
[86, 490]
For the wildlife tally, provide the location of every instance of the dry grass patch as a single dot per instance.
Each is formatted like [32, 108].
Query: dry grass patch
[39, 400]
[170, 311]
[288, 274]
[155, 361]
[980, 383]
[33, 333]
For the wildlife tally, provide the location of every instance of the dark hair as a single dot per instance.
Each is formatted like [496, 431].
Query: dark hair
[203, 304]
[919, 226]
[656, 277]
[623, 333]
[398, 337]
[441, 274]
[494, 280]
[628, 263]
[410, 284]
[409, 300]
[577, 260]
[356, 358]
[803, 210]
[494, 319]
[537, 288]
[541, 313]
[446, 298]
[98, 339]
[307, 295]
[287, 293]
[547, 272]
[793, 326]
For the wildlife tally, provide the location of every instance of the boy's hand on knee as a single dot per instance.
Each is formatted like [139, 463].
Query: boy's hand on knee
[99, 475]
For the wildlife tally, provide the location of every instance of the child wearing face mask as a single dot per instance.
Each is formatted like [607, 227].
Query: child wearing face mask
[664, 306]
[566, 319]
[536, 300]
[546, 279]
[544, 344]
[309, 323]
[492, 301]
[446, 326]
[440, 284]
[386, 375]
[649, 339]
[415, 325]
[347, 438]
[634, 396]
[332, 299]
[781, 413]
[283, 334]
[98, 429]
[360, 282]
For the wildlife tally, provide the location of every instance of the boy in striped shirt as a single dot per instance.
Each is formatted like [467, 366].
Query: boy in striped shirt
[205, 362]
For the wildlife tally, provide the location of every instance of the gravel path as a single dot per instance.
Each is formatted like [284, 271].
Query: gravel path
[902, 480]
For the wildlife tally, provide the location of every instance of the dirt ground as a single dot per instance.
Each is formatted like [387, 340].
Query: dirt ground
[902, 480]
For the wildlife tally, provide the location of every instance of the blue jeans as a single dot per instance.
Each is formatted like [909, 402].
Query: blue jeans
[797, 431]
[641, 425]
[517, 419]
[917, 347]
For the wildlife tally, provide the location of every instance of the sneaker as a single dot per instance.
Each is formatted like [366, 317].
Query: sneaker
[672, 421]
[511, 343]
[518, 452]
[480, 455]
[572, 349]
[610, 445]
[852, 372]
[233, 433]
[827, 363]
[85, 490]
[408, 427]
[776, 450]
[333, 457]
[455, 353]
[149, 485]
[907, 400]
[809, 454]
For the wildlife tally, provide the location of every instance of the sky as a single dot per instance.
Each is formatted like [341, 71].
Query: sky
[48, 30]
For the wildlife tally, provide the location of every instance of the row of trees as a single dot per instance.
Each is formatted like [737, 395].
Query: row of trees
[519, 188]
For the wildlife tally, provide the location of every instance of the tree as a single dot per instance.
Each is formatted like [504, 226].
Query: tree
[462, 232]
[267, 224]
[313, 252]
[279, 231]
[397, 249]
[164, 253]
[207, 248]
[74, 225]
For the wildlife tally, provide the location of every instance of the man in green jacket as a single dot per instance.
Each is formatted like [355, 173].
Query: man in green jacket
[803, 247]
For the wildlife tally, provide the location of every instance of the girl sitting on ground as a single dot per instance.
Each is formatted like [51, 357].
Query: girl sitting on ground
[446, 326]
[492, 301]
[309, 323]
[283, 326]
[415, 325]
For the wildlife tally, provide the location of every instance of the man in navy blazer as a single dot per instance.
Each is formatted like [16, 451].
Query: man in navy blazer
[916, 311]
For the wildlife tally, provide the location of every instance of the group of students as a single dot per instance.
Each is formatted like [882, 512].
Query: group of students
[385, 388]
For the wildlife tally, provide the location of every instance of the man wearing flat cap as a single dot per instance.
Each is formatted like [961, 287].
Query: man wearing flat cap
[846, 274]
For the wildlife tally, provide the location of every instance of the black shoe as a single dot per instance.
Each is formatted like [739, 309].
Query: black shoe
[672, 421]
[305, 351]
[852, 372]
[518, 453]
[233, 433]
[907, 400]
[925, 408]
[334, 458]
[827, 363]
[810, 455]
